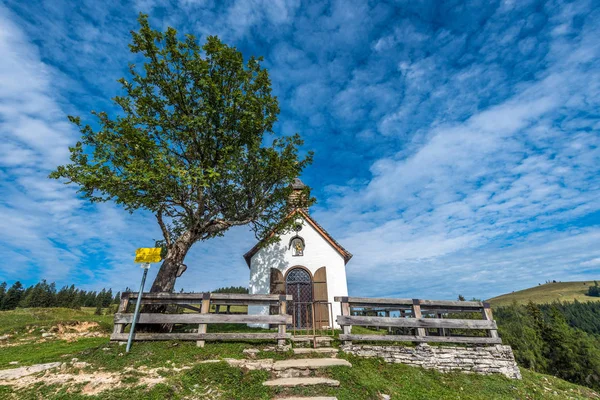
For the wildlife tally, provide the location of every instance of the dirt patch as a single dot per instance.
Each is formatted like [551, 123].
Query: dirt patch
[70, 332]
[78, 327]
[73, 331]
[18, 342]
[71, 374]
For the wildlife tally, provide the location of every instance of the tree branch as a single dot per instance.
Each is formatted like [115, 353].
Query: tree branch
[163, 227]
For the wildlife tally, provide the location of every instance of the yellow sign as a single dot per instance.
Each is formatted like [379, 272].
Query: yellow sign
[147, 255]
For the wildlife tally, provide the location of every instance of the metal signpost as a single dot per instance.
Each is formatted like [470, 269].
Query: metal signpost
[144, 256]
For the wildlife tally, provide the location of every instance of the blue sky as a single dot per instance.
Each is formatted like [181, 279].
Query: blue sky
[457, 143]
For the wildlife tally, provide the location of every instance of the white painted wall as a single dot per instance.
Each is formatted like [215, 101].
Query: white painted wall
[317, 253]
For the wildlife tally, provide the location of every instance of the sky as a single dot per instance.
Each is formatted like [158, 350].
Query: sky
[457, 143]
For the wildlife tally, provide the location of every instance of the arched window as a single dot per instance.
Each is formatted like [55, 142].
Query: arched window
[297, 246]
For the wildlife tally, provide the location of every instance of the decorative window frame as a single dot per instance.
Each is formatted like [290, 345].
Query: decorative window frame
[303, 245]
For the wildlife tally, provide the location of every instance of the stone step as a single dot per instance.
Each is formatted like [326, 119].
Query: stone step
[321, 350]
[307, 398]
[308, 338]
[311, 341]
[310, 363]
[16, 373]
[294, 382]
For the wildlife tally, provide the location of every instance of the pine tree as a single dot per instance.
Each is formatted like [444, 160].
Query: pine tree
[2, 292]
[77, 301]
[108, 298]
[13, 296]
[23, 302]
[62, 297]
[232, 289]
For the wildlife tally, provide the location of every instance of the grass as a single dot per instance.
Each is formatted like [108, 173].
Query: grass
[547, 293]
[366, 380]
[21, 320]
[38, 353]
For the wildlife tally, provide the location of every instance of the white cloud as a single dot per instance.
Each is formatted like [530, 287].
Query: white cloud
[45, 230]
[437, 211]
[457, 154]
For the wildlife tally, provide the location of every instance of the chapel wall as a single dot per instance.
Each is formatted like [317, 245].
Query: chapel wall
[318, 253]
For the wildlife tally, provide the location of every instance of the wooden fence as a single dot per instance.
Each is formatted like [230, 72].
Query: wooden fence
[201, 303]
[422, 316]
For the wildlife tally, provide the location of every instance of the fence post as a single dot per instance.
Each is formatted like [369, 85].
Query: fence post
[488, 316]
[387, 314]
[120, 328]
[346, 329]
[205, 309]
[282, 311]
[442, 331]
[416, 308]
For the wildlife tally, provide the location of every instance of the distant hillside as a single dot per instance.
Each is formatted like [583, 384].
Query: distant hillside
[547, 293]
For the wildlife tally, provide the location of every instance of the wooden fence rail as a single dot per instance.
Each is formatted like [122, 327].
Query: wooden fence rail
[413, 313]
[204, 317]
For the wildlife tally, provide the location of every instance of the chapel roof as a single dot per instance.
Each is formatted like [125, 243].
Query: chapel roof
[338, 247]
[298, 184]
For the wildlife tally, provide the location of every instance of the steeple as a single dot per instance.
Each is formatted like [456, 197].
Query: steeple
[298, 194]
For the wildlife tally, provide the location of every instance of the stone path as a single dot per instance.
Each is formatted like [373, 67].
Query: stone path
[310, 363]
[295, 382]
[320, 350]
[16, 373]
[311, 341]
[307, 398]
[301, 372]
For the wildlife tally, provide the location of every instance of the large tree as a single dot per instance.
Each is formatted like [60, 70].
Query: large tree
[189, 145]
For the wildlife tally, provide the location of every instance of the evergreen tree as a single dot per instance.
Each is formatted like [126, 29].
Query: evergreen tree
[518, 329]
[77, 301]
[100, 298]
[544, 340]
[23, 302]
[108, 298]
[2, 292]
[13, 296]
[62, 297]
[232, 289]
[559, 347]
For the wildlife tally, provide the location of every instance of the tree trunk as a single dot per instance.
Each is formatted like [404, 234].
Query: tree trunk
[167, 274]
[165, 280]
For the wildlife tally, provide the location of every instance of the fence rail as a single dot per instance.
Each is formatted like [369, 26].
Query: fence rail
[204, 317]
[422, 316]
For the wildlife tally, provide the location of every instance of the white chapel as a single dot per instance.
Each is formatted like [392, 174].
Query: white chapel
[306, 263]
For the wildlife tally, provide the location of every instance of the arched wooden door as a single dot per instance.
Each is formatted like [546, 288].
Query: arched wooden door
[321, 298]
[277, 284]
[299, 284]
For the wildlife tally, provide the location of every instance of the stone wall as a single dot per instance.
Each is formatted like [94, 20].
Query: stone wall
[497, 359]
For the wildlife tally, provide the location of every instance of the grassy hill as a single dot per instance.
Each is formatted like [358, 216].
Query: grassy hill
[95, 369]
[547, 293]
